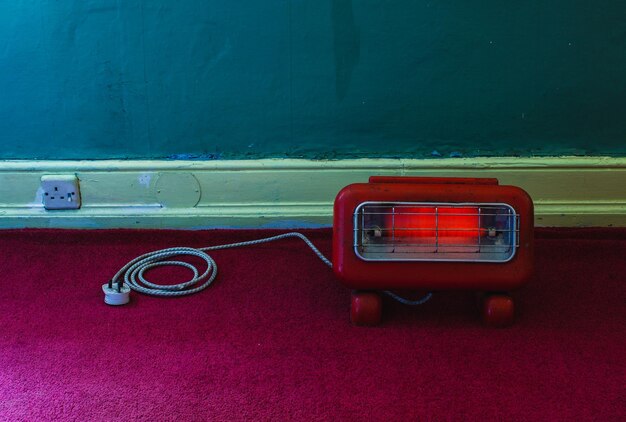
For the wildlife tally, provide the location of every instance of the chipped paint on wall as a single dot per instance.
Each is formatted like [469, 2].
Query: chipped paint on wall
[144, 179]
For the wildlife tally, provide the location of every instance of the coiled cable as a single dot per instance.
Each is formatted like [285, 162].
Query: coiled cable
[132, 273]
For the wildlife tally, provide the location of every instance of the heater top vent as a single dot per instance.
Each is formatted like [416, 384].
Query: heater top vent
[429, 231]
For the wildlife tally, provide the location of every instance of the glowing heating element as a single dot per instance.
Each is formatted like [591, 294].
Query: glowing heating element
[422, 231]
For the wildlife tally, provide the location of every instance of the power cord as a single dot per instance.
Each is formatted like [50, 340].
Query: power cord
[131, 275]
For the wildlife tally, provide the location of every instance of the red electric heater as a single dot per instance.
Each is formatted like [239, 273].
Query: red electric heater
[423, 233]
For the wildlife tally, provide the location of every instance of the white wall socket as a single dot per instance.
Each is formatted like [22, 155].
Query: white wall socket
[60, 192]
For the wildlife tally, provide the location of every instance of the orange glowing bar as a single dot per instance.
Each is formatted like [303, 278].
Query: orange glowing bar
[442, 222]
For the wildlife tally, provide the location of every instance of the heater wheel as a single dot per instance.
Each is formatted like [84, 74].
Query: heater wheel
[365, 308]
[498, 310]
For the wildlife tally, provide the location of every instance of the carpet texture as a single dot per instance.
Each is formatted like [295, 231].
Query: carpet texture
[271, 339]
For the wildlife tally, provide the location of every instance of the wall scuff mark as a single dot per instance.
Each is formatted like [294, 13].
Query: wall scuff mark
[346, 44]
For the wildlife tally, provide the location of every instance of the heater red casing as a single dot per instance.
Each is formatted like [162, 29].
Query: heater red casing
[356, 273]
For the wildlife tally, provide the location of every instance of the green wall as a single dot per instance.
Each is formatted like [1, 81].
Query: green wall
[316, 79]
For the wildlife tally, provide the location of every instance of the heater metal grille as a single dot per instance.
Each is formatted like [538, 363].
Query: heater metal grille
[427, 231]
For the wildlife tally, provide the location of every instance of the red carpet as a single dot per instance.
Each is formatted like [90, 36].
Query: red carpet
[271, 339]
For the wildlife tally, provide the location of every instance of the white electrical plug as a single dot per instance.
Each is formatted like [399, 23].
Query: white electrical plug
[116, 294]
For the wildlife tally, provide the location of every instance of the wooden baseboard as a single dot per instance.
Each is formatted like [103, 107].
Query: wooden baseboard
[568, 191]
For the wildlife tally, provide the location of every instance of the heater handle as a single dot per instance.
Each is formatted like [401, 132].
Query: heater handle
[434, 180]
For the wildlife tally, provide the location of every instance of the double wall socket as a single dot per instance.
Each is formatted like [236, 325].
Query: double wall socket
[60, 192]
